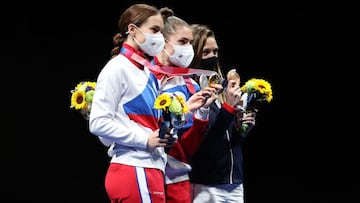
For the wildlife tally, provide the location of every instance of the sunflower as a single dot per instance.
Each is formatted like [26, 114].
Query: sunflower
[183, 105]
[89, 86]
[82, 97]
[260, 88]
[171, 102]
[163, 101]
[78, 100]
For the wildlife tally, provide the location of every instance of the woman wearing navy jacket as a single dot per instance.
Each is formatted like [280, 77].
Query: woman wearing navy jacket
[217, 165]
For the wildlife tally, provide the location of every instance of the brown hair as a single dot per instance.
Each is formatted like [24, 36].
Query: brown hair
[200, 34]
[136, 14]
[171, 22]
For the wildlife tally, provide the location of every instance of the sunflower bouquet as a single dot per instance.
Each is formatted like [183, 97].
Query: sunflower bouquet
[82, 96]
[255, 91]
[173, 108]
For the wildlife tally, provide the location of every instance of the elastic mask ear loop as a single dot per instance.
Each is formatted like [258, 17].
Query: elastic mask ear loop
[166, 40]
[167, 52]
[136, 27]
[127, 32]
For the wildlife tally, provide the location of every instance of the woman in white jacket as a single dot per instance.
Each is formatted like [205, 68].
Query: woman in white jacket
[122, 112]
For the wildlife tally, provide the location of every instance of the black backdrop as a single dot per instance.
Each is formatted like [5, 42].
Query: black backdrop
[303, 148]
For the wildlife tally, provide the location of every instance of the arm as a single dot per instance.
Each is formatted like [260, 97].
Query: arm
[114, 104]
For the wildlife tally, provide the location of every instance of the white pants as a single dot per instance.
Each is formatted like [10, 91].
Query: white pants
[225, 193]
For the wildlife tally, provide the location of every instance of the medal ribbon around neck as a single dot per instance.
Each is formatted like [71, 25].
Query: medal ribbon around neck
[167, 70]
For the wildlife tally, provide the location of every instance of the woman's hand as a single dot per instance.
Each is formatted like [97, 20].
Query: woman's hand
[155, 141]
[203, 98]
[246, 119]
[215, 89]
[233, 93]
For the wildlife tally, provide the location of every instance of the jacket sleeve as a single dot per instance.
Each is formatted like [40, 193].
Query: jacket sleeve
[192, 138]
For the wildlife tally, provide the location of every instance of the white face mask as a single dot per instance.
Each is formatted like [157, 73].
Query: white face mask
[153, 44]
[182, 56]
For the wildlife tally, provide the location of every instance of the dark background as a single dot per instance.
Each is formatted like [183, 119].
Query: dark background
[303, 149]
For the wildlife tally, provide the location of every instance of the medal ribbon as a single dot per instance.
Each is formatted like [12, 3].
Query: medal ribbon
[167, 70]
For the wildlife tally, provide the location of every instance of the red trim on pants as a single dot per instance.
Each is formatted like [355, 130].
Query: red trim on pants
[122, 185]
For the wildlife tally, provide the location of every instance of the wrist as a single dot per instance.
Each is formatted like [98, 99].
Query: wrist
[202, 113]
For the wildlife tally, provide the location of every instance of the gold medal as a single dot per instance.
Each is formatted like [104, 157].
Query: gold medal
[214, 79]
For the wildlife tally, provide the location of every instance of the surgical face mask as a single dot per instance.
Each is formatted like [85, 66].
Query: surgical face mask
[182, 56]
[153, 44]
[208, 63]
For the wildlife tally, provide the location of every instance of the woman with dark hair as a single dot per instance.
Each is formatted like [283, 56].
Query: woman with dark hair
[217, 165]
